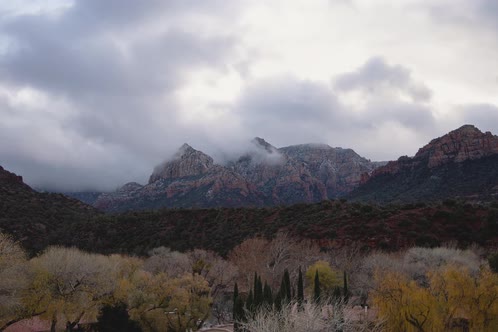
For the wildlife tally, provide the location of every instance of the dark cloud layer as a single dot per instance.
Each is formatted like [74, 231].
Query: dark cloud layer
[117, 87]
[91, 97]
[376, 75]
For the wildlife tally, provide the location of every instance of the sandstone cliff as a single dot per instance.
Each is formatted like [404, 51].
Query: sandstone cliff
[263, 176]
[460, 164]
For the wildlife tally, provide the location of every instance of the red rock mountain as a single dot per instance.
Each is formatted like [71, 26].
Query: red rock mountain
[462, 163]
[263, 176]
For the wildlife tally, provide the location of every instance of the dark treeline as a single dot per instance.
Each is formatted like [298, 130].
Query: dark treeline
[332, 223]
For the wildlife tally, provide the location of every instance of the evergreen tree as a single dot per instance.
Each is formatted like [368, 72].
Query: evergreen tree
[316, 290]
[239, 314]
[336, 293]
[267, 295]
[278, 301]
[255, 287]
[288, 295]
[346, 291]
[258, 293]
[250, 302]
[235, 296]
[300, 288]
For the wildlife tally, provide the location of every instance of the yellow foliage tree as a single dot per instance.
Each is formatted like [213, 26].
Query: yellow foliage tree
[453, 298]
[13, 279]
[67, 284]
[329, 278]
[157, 301]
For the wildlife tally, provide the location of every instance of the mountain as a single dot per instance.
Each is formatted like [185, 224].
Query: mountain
[263, 176]
[190, 180]
[41, 219]
[461, 164]
[32, 217]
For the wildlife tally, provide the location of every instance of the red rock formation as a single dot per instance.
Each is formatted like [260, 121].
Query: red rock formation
[464, 143]
[264, 176]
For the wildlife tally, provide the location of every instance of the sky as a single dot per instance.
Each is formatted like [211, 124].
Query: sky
[95, 93]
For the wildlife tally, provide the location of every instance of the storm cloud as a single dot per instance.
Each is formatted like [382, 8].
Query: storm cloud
[94, 93]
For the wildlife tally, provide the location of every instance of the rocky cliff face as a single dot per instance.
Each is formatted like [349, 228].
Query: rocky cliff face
[8, 179]
[463, 144]
[186, 162]
[263, 176]
[462, 163]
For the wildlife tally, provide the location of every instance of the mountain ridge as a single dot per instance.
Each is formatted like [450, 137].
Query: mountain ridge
[263, 176]
[464, 158]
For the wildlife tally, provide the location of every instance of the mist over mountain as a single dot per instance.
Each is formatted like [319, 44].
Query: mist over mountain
[262, 176]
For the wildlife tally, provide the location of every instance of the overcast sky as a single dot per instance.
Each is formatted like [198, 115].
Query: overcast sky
[94, 93]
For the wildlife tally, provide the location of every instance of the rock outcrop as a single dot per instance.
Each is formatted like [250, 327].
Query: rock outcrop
[462, 163]
[263, 176]
[8, 179]
[186, 162]
[465, 143]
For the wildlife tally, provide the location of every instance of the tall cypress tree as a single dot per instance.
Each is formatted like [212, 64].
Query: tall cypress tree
[250, 302]
[267, 295]
[255, 283]
[258, 293]
[300, 288]
[235, 296]
[239, 314]
[316, 290]
[287, 283]
[346, 291]
[278, 301]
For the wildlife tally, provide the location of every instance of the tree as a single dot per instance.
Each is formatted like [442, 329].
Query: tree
[115, 318]
[239, 314]
[329, 278]
[493, 262]
[284, 293]
[14, 274]
[235, 294]
[451, 296]
[157, 301]
[267, 296]
[300, 288]
[345, 287]
[270, 258]
[316, 288]
[70, 284]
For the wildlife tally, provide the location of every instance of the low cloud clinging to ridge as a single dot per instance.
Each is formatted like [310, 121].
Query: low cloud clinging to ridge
[94, 94]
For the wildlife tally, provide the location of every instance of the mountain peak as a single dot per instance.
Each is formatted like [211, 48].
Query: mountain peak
[467, 128]
[185, 149]
[186, 162]
[261, 143]
[464, 143]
